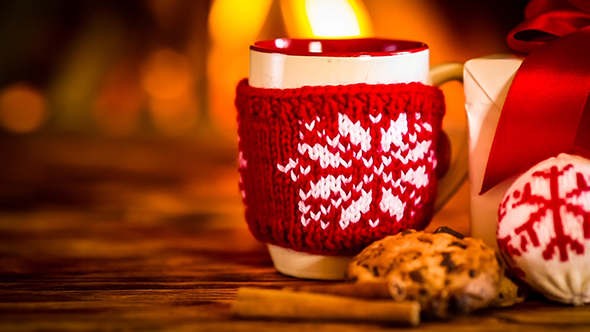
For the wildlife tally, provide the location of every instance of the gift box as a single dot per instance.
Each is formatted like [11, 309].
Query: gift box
[486, 83]
[529, 144]
[523, 111]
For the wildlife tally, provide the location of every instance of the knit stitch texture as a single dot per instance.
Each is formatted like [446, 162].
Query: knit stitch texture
[330, 169]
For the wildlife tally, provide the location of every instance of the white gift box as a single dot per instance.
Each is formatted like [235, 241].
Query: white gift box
[486, 84]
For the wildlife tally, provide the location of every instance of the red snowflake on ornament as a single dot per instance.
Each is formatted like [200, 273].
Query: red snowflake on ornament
[556, 208]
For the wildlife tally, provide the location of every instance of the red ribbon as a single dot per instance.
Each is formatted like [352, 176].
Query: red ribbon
[547, 110]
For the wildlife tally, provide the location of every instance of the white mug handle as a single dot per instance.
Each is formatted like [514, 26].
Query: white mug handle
[458, 170]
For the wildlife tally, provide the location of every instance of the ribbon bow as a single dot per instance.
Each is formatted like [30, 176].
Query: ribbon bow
[547, 109]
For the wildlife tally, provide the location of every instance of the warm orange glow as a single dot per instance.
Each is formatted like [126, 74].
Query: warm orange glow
[116, 108]
[233, 26]
[235, 22]
[166, 74]
[326, 18]
[23, 108]
[224, 72]
[168, 79]
[174, 116]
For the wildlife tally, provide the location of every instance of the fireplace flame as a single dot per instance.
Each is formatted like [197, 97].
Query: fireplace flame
[326, 18]
[235, 24]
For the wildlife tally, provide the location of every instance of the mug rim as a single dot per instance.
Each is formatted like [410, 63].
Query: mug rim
[353, 47]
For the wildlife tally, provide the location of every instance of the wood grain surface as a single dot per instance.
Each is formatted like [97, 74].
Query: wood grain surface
[148, 234]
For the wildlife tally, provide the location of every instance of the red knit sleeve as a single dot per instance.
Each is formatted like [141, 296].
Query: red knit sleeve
[330, 169]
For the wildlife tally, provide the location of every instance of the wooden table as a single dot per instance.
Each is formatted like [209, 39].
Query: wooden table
[148, 234]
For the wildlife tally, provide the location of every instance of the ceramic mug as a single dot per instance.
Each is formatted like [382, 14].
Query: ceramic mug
[338, 141]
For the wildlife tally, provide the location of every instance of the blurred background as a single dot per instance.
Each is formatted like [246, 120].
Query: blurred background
[123, 111]
[170, 67]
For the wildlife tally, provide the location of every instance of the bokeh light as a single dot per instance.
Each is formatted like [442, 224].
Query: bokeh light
[174, 116]
[23, 108]
[166, 74]
[118, 103]
[167, 78]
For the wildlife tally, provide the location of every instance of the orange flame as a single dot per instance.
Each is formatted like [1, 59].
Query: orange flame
[235, 24]
[326, 18]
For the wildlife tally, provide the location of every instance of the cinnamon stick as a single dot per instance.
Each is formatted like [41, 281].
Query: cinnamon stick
[285, 304]
[363, 290]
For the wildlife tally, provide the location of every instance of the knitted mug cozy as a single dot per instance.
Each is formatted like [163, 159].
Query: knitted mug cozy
[330, 169]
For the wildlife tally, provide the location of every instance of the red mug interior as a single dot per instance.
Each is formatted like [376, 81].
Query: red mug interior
[339, 47]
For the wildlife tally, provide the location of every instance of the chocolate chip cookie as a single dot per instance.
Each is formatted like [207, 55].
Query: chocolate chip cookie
[444, 271]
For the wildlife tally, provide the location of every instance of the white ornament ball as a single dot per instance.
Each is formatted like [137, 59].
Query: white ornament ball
[544, 228]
